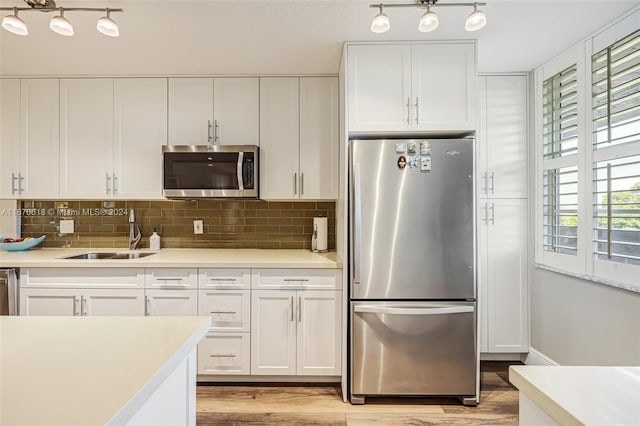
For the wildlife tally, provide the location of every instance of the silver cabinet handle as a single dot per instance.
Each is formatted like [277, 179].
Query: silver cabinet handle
[13, 183]
[20, 179]
[75, 306]
[223, 279]
[493, 182]
[115, 184]
[216, 355]
[216, 133]
[83, 306]
[168, 279]
[108, 184]
[408, 110]
[209, 129]
[301, 183]
[147, 306]
[417, 110]
[493, 214]
[291, 308]
[485, 178]
[486, 213]
[299, 308]
[295, 184]
[222, 312]
[295, 279]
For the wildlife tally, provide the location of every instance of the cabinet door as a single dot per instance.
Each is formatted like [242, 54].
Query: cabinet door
[190, 111]
[225, 354]
[9, 136]
[502, 137]
[443, 86]
[86, 138]
[103, 302]
[140, 132]
[503, 275]
[379, 87]
[279, 138]
[40, 123]
[236, 110]
[319, 138]
[319, 333]
[171, 303]
[273, 332]
[49, 302]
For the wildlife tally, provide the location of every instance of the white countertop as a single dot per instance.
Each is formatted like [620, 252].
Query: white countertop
[186, 258]
[582, 395]
[85, 370]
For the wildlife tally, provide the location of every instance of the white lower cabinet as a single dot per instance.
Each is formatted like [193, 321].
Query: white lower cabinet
[81, 302]
[296, 332]
[160, 303]
[502, 276]
[224, 353]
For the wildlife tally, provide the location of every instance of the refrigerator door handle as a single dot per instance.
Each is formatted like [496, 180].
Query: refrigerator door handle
[413, 311]
[357, 221]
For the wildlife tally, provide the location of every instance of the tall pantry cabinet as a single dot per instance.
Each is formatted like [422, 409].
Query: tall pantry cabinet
[501, 178]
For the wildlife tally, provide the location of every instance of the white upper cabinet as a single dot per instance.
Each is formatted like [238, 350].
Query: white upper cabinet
[298, 138]
[319, 138]
[111, 137]
[399, 87]
[9, 136]
[214, 111]
[236, 111]
[86, 138]
[30, 140]
[279, 138]
[502, 137]
[140, 132]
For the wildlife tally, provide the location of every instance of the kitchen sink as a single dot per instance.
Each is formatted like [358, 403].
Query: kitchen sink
[91, 256]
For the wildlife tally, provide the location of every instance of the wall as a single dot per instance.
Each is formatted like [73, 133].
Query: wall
[227, 223]
[578, 322]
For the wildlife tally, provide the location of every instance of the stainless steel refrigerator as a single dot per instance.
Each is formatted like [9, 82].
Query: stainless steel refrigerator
[412, 283]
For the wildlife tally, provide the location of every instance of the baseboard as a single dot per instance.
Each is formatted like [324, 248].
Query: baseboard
[488, 356]
[538, 358]
[205, 378]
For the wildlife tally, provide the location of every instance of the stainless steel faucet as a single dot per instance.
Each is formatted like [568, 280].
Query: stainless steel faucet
[133, 238]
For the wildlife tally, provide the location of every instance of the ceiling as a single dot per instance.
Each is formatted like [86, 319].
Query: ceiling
[247, 37]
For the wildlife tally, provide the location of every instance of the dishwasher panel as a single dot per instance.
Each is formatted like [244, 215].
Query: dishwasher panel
[413, 348]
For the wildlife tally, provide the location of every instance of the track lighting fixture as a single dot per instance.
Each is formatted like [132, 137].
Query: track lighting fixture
[429, 20]
[59, 23]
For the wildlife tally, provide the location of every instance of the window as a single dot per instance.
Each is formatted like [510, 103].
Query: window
[560, 147]
[588, 158]
[616, 151]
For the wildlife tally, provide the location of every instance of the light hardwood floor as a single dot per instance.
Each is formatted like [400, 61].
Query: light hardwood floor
[259, 404]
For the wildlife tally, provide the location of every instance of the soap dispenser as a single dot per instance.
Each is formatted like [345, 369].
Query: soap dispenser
[154, 241]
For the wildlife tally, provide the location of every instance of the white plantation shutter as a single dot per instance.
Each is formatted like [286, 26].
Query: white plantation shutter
[615, 83]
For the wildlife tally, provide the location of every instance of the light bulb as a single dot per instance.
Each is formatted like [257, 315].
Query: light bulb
[61, 25]
[380, 23]
[107, 26]
[15, 25]
[476, 20]
[428, 22]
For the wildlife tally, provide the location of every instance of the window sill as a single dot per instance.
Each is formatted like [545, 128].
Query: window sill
[598, 280]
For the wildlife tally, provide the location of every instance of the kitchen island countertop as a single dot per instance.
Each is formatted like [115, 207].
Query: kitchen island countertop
[90, 370]
[174, 258]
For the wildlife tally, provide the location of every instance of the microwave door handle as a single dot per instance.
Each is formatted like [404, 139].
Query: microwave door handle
[239, 170]
[414, 310]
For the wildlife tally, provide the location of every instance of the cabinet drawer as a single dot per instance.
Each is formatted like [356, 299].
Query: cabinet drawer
[296, 278]
[82, 277]
[224, 278]
[230, 310]
[171, 278]
[224, 353]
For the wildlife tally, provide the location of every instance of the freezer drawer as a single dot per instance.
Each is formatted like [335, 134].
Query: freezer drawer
[413, 348]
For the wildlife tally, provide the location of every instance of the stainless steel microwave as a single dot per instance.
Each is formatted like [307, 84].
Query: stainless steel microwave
[210, 171]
